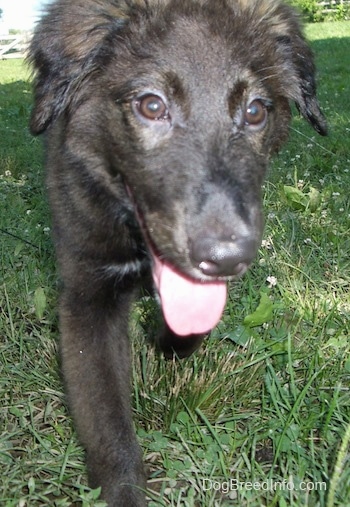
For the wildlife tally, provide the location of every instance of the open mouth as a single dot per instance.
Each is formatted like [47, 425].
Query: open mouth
[190, 306]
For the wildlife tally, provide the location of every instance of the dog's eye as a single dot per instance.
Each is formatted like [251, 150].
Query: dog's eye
[256, 114]
[152, 108]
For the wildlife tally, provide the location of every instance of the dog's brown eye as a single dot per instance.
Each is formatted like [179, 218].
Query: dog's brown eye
[152, 107]
[256, 114]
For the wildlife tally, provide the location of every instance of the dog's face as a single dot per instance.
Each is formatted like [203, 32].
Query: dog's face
[184, 103]
[161, 116]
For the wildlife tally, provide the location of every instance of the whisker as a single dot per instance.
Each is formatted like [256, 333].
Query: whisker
[312, 141]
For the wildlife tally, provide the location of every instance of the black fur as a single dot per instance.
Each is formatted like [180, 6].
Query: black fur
[160, 118]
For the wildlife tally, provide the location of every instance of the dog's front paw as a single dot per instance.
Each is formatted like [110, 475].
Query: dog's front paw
[178, 346]
[122, 479]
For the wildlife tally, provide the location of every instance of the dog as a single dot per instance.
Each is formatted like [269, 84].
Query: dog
[160, 117]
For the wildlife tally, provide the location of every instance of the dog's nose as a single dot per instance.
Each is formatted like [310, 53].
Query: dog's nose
[223, 257]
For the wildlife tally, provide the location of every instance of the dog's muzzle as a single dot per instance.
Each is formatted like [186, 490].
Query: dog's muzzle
[223, 258]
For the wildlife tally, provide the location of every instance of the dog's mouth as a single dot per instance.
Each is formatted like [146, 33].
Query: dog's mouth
[190, 306]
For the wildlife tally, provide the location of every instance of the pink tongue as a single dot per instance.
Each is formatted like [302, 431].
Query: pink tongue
[189, 307]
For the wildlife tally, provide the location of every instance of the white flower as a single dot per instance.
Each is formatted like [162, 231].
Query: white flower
[272, 281]
[267, 243]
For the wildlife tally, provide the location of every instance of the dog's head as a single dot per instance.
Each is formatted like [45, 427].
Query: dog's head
[184, 102]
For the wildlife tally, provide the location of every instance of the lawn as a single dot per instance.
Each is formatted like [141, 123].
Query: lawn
[260, 416]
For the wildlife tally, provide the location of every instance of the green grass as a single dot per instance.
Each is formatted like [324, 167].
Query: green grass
[265, 403]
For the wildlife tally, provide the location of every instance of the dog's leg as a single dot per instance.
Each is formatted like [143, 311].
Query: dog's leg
[178, 346]
[96, 367]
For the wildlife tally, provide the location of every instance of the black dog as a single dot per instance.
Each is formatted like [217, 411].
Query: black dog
[160, 118]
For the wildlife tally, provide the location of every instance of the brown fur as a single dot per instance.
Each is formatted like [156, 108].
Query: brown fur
[185, 185]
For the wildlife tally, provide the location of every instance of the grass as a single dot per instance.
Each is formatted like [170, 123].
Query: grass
[260, 415]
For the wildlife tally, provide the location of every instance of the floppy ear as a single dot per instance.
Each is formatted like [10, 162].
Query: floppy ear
[64, 49]
[306, 100]
[301, 60]
[294, 59]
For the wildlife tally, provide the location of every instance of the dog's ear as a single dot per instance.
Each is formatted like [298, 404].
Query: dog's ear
[299, 64]
[308, 104]
[305, 98]
[64, 49]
